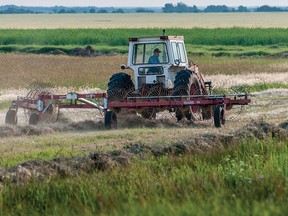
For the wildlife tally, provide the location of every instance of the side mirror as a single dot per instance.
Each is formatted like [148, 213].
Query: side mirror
[123, 67]
[177, 62]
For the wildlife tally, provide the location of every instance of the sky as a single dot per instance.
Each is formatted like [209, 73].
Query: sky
[142, 3]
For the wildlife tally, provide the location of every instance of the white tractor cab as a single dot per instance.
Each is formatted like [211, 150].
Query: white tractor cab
[171, 54]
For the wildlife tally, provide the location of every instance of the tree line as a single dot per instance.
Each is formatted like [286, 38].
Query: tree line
[183, 8]
[168, 8]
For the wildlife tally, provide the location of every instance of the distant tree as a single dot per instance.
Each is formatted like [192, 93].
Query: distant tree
[179, 8]
[168, 8]
[195, 9]
[242, 9]
[118, 11]
[216, 8]
[71, 11]
[266, 8]
[102, 11]
[92, 10]
[66, 11]
[62, 10]
[16, 10]
[144, 10]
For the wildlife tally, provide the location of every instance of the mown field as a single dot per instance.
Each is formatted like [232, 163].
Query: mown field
[94, 72]
[144, 20]
[161, 167]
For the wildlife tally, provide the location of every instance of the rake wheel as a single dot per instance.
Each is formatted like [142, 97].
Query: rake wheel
[152, 92]
[51, 114]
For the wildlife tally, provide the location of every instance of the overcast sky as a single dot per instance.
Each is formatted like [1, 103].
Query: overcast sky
[142, 3]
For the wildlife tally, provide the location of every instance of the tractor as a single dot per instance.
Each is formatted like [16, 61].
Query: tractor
[161, 68]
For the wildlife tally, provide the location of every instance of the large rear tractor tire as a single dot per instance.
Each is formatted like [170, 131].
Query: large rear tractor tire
[186, 84]
[11, 117]
[118, 87]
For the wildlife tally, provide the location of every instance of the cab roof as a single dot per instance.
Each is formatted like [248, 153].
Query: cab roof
[164, 37]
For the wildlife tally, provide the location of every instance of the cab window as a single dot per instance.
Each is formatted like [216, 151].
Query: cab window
[182, 52]
[179, 53]
[175, 51]
[151, 70]
[143, 52]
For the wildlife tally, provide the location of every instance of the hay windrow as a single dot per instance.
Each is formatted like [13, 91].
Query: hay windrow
[73, 166]
[29, 130]
[66, 124]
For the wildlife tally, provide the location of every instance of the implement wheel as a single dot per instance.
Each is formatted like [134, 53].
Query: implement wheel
[110, 120]
[51, 114]
[219, 116]
[179, 114]
[11, 117]
[34, 119]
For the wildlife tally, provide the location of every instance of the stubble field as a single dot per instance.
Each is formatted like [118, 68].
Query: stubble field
[159, 167]
[143, 20]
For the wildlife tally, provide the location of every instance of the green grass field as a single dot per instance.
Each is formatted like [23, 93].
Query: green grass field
[119, 37]
[199, 41]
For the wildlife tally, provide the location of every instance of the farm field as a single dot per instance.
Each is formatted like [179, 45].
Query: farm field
[143, 20]
[63, 71]
[146, 167]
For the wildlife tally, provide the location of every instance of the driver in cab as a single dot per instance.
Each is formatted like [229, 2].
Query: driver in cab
[154, 59]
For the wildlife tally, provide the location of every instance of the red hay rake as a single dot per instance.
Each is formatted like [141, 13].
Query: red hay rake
[46, 107]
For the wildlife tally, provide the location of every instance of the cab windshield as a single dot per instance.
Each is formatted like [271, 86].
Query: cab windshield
[150, 53]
